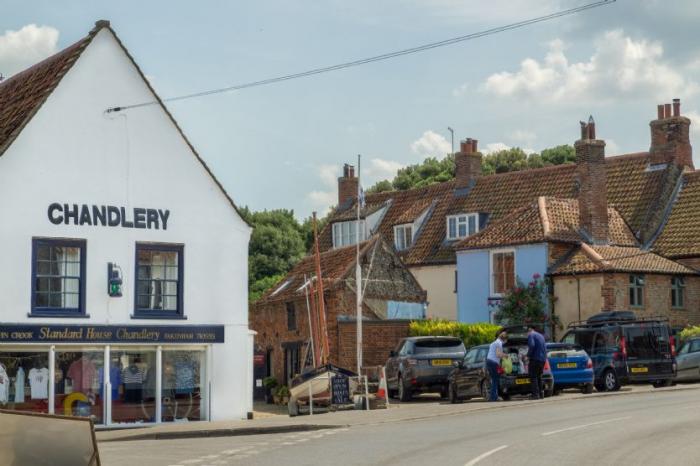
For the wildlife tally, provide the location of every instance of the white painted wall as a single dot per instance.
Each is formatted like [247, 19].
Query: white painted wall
[71, 152]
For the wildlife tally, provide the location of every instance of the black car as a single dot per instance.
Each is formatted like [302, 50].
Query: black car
[422, 364]
[470, 378]
[626, 349]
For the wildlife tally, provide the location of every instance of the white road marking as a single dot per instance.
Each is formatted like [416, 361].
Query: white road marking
[582, 426]
[485, 455]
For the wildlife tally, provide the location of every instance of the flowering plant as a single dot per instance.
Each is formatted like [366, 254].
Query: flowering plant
[526, 304]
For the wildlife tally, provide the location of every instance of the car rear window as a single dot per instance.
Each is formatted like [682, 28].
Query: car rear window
[570, 352]
[438, 346]
[648, 341]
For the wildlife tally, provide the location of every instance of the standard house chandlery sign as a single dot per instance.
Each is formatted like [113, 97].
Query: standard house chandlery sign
[108, 216]
[57, 333]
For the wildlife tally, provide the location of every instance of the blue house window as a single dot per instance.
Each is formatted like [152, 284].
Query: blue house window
[159, 281]
[58, 278]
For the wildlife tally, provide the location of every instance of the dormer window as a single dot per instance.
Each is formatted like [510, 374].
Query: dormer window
[403, 236]
[462, 225]
[345, 233]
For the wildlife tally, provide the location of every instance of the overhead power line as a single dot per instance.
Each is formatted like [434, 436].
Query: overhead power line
[376, 58]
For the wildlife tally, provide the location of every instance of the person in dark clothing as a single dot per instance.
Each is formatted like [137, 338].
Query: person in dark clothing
[536, 355]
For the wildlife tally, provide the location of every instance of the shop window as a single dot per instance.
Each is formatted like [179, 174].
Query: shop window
[291, 317]
[502, 272]
[677, 292]
[78, 387]
[636, 290]
[159, 281]
[133, 385]
[58, 278]
[24, 381]
[182, 382]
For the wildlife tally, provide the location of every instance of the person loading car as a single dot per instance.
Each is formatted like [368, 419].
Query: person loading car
[493, 362]
[536, 355]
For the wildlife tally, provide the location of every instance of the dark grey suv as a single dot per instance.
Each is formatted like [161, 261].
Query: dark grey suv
[422, 364]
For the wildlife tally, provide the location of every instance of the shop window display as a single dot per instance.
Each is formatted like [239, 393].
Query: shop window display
[24, 381]
[133, 380]
[182, 386]
[78, 377]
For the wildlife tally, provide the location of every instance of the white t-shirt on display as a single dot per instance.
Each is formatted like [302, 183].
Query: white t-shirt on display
[39, 383]
[4, 385]
[19, 386]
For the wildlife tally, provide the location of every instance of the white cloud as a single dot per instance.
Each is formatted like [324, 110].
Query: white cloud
[523, 136]
[694, 116]
[20, 49]
[495, 147]
[461, 90]
[322, 201]
[611, 147]
[380, 169]
[619, 66]
[329, 174]
[431, 144]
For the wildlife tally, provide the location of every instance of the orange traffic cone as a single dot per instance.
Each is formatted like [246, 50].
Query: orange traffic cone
[381, 392]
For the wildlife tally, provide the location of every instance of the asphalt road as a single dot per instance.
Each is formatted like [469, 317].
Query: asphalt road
[656, 428]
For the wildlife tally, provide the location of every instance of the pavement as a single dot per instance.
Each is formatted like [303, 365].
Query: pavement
[635, 426]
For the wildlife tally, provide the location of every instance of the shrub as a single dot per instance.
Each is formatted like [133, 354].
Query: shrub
[690, 332]
[269, 382]
[470, 334]
[526, 304]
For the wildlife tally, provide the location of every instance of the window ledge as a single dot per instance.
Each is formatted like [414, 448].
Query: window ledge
[159, 316]
[57, 314]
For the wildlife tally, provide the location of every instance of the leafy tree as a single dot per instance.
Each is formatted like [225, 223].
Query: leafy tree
[433, 170]
[277, 243]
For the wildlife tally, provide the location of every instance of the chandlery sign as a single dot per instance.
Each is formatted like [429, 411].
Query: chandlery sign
[123, 286]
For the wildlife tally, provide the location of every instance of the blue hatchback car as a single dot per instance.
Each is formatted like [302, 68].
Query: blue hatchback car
[571, 367]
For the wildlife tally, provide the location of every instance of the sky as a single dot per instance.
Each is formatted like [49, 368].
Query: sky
[283, 145]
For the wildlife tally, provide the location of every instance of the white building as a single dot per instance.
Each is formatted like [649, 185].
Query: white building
[81, 188]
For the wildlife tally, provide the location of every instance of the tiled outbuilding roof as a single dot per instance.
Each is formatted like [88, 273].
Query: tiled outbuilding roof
[635, 191]
[680, 236]
[336, 264]
[598, 259]
[548, 219]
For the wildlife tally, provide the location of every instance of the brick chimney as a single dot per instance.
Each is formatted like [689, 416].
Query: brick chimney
[467, 164]
[347, 187]
[670, 137]
[592, 184]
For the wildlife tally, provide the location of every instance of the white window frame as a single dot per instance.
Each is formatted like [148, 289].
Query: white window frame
[492, 253]
[401, 242]
[462, 219]
[347, 238]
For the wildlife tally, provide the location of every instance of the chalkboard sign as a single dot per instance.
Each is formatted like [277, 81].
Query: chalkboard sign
[340, 386]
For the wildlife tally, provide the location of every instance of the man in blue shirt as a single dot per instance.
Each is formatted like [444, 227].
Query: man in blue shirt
[493, 362]
[536, 355]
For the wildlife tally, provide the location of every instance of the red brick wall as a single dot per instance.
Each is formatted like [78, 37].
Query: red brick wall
[378, 337]
[558, 250]
[657, 298]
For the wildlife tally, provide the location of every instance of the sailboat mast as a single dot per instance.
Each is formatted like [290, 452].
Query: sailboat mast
[358, 273]
[312, 324]
[321, 301]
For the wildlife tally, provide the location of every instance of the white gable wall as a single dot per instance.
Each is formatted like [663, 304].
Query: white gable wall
[72, 152]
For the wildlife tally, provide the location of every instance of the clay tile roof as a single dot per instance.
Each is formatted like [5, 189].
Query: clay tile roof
[596, 259]
[635, 192]
[527, 225]
[351, 213]
[681, 234]
[335, 265]
[23, 94]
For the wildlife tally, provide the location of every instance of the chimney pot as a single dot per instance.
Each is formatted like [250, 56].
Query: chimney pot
[660, 112]
[467, 164]
[474, 149]
[667, 110]
[676, 107]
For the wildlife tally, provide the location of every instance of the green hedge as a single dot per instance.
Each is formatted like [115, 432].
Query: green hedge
[471, 334]
[690, 332]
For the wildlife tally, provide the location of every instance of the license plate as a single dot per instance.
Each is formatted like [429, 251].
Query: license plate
[441, 362]
[521, 381]
[639, 369]
[566, 365]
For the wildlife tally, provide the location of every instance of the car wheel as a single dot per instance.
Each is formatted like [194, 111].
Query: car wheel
[454, 398]
[557, 391]
[486, 389]
[506, 396]
[404, 392]
[548, 392]
[445, 392]
[587, 389]
[610, 381]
